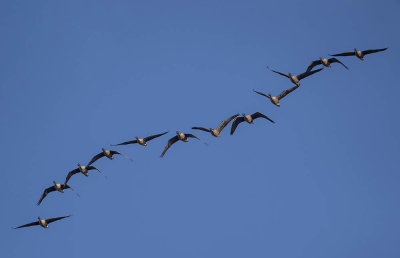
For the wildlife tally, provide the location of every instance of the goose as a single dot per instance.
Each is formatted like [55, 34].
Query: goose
[106, 153]
[360, 53]
[249, 119]
[83, 169]
[42, 222]
[275, 99]
[179, 136]
[296, 78]
[217, 131]
[325, 62]
[55, 187]
[141, 141]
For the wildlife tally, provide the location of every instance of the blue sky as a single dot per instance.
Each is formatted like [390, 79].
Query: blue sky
[77, 76]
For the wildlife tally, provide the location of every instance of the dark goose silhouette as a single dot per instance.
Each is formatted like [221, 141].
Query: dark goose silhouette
[275, 99]
[56, 187]
[217, 131]
[141, 141]
[179, 136]
[249, 119]
[83, 169]
[360, 53]
[106, 153]
[325, 62]
[42, 222]
[296, 78]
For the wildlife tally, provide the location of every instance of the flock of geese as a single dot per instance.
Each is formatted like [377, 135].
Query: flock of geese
[180, 136]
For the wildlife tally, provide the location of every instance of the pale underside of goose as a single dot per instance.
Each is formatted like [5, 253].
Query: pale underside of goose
[178, 137]
[56, 187]
[82, 169]
[106, 153]
[249, 119]
[217, 131]
[42, 222]
[360, 53]
[141, 141]
[325, 62]
[275, 99]
[296, 78]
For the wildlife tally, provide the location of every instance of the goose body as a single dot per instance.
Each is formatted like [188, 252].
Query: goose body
[106, 153]
[82, 169]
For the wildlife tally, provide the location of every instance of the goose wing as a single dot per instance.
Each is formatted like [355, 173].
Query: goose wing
[45, 192]
[71, 173]
[189, 135]
[235, 123]
[56, 218]
[224, 123]
[335, 60]
[201, 128]
[258, 114]
[125, 143]
[169, 143]
[283, 74]
[286, 92]
[313, 63]
[370, 51]
[29, 225]
[151, 137]
[345, 54]
[93, 167]
[96, 157]
[306, 74]
[113, 152]
[261, 93]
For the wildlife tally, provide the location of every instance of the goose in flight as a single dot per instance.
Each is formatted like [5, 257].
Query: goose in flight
[42, 222]
[217, 131]
[296, 78]
[141, 141]
[275, 99]
[106, 153]
[325, 62]
[360, 53]
[179, 136]
[249, 119]
[83, 169]
[55, 187]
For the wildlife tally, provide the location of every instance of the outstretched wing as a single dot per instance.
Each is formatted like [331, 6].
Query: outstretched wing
[345, 54]
[71, 173]
[169, 143]
[29, 225]
[235, 123]
[113, 152]
[313, 63]
[93, 167]
[370, 51]
[189, 135]
[258, 114]
[335, 60]
[151, 137]
[98, 156]
[283, 74]
[125, 143]
[306, 74]
[261, 93]
[286, 92]
[224, 123]
[201, 128]
[45, 192]
[55, 219]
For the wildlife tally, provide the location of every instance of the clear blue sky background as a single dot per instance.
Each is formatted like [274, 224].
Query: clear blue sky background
[323, 181]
